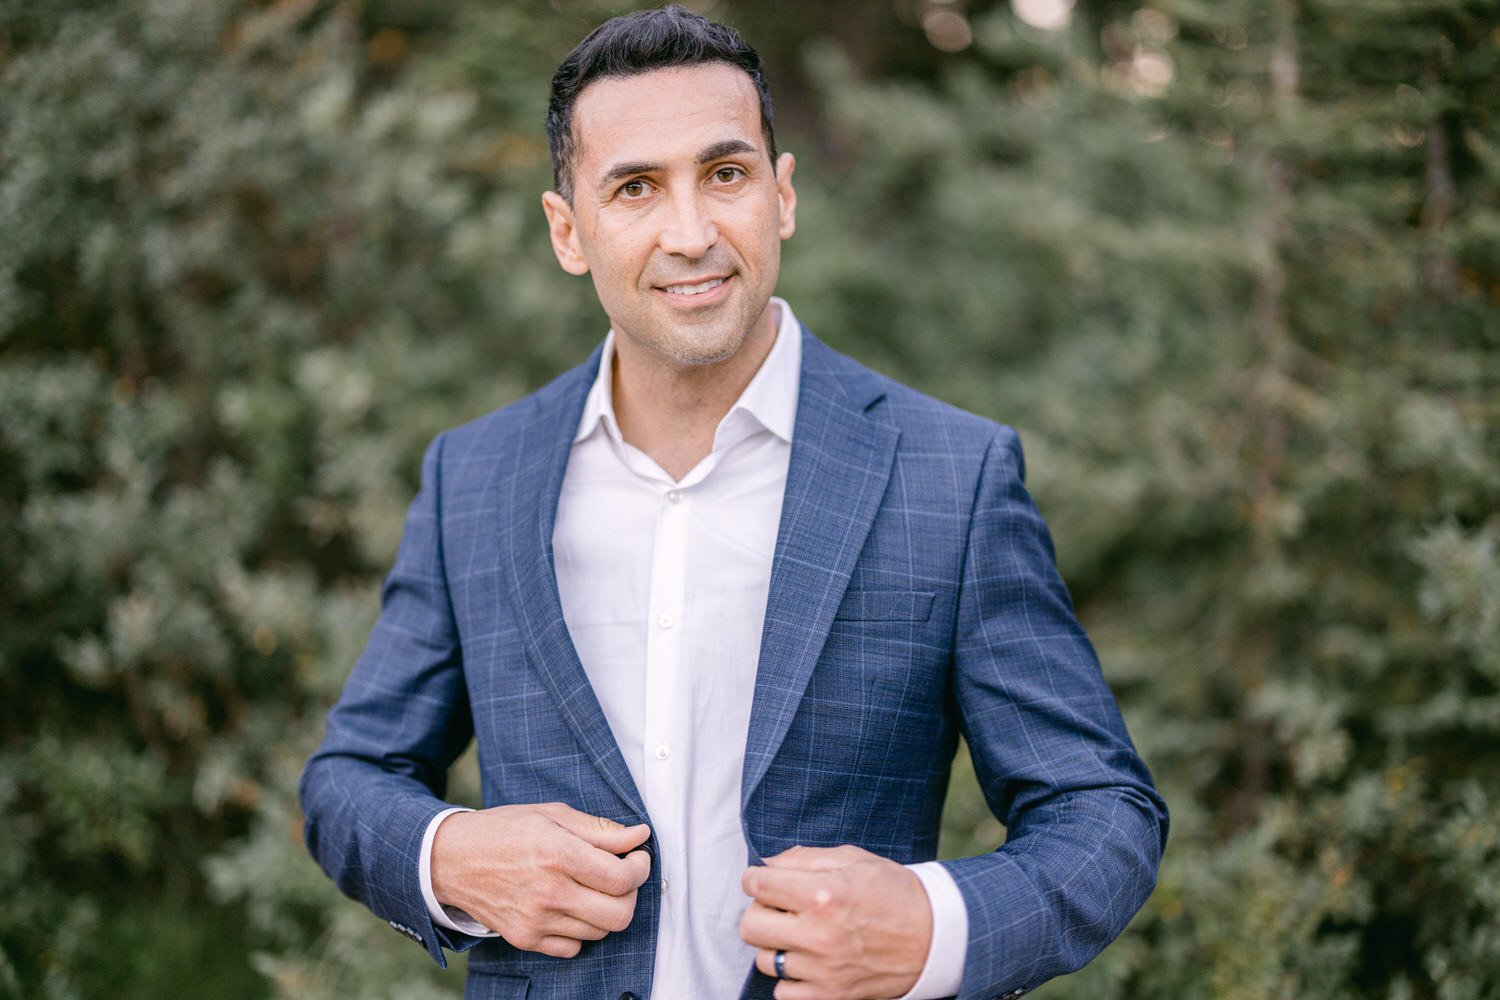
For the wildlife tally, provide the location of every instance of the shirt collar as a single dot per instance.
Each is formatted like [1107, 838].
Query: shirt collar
[770, 400]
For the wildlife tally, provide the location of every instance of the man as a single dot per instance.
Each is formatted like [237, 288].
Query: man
[716, 606]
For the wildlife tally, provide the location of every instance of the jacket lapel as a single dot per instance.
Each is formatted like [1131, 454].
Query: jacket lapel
[840, 464]
[527, 495]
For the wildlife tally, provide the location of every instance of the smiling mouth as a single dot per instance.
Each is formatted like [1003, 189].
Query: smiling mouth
[688, 291]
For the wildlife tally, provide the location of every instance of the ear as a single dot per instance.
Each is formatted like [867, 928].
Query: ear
[564, 230]
[786, 195]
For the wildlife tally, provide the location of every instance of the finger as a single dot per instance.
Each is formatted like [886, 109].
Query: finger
[600, 831]
[602, 871]
[566, 925]
[791, 889]
[639, 865]
[797, 989]
[559, 907]
[815, 858]
[559, 947]
[763, 927]
[765, 961]
[599, 909]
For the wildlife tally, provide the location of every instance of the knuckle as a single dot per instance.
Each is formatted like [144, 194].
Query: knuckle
[548, 895]
[619, 881]
[550, 856]
[620, 918]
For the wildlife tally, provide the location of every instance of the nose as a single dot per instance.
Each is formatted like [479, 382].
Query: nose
[689, 230]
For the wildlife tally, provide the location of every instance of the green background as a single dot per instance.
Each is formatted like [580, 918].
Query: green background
[1232, 269]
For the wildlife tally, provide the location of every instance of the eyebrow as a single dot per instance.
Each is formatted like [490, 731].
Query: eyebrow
[726, 148]
[718, 150]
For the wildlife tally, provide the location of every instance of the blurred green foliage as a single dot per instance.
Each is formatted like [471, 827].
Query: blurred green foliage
[1233, 269]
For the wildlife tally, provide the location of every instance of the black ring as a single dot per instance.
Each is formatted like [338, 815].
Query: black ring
[779, 963]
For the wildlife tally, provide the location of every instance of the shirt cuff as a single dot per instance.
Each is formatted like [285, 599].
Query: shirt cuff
[944, 972]
[451, 917]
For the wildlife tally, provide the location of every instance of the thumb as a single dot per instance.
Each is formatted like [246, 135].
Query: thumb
[602, 832]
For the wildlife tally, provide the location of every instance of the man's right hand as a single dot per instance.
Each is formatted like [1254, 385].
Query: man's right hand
[544, 877]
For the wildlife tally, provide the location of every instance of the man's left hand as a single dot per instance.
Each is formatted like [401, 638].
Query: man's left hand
[853, 925]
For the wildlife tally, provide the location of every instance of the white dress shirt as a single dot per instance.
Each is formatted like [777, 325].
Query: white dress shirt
[664, 585]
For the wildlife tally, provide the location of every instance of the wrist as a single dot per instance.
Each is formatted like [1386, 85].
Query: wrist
[942, 971]
[445, 860]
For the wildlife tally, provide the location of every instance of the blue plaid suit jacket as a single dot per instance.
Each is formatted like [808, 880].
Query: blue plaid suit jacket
[913, 597]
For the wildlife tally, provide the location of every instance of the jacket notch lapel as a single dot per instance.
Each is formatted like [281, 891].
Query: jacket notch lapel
[527, 500]
[840, 465]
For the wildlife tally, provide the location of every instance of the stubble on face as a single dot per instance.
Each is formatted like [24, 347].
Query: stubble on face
[707, 340]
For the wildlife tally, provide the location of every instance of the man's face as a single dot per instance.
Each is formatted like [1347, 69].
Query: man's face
[676, 211]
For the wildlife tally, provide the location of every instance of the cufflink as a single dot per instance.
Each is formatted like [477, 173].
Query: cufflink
[1013, 994]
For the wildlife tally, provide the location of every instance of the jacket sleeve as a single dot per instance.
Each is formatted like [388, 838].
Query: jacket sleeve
[1085, 825]
[372, 787]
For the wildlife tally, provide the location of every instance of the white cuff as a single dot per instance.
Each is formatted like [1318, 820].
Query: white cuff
[450, 917]
[944, 972]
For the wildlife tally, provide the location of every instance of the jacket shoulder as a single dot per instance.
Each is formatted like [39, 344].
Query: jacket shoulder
[920, 418]
[551, 409]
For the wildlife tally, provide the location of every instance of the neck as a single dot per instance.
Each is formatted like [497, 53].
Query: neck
[671, 411]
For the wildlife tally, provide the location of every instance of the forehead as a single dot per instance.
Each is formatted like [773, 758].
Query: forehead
[650, 116]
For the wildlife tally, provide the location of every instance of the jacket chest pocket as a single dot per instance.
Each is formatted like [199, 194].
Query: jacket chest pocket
[886, 654]
[910, 606]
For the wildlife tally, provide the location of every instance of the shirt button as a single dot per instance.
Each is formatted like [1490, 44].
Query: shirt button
[662, 751]
[665, 885]
[665, 619]
[674, 497]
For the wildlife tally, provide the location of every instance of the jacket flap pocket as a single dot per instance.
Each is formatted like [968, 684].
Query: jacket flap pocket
[488, 986]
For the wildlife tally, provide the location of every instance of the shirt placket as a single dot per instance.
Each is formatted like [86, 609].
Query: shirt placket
[667, 745]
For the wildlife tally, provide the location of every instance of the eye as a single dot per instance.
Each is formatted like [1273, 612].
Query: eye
[728, 175]
[633, 189]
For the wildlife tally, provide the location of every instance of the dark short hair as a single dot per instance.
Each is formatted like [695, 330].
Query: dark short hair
[638, 43]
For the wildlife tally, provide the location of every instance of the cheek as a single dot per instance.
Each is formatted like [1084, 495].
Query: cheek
[620, 257]
[763, 230]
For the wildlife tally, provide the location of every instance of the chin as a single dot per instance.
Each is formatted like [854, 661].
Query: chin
[710, 346]
[705, 354]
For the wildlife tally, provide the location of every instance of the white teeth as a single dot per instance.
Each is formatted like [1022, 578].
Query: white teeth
[697, 289]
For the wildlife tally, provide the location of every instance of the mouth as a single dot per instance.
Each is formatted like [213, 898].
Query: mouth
[688, 292]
